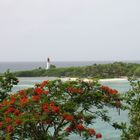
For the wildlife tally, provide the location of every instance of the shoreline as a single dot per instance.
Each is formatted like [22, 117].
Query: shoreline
[74, 79]
[113, 79]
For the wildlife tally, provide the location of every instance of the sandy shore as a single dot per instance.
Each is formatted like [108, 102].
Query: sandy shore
[38, 79]
[100, 80]
[113, 79]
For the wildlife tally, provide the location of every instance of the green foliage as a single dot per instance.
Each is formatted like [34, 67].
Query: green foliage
[132, 98]
[30, 73]
[116, 69]
[52, 66]
[7, 80]
[53, 110]
[137, 72]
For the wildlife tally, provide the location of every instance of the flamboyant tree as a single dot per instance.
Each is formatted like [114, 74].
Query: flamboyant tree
[53, 110]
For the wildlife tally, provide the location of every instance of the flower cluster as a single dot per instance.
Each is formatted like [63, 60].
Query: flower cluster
[81, 128]
[111, 94]
[109, 90]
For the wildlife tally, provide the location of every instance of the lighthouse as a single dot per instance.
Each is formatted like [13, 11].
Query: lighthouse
[48, 64]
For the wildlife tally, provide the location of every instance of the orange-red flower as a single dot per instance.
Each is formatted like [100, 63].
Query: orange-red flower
[44, 83]
[106, 88]
[38, 90]
[52, 103]
[109, 90]
[98, 136]
[12, 100]
[9, 128]
[91, 131]
[80, 127]
[18, 122]
[22, 93]
[45, 92]
[8, 120]
[36, 98]
[46, 107]
[69, 129]
[9, 110]
[113, 91]
[16, 112]
[68, 117]
[5, 102]
[23, 101]
[55, 109]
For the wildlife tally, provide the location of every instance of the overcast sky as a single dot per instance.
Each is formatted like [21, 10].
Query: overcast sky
[69, 30]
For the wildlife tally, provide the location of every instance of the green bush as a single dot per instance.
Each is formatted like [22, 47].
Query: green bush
[137, 72]
[132, 101]
[7, 80]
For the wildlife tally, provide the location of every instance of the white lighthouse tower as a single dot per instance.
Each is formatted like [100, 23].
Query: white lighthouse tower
[48, 64]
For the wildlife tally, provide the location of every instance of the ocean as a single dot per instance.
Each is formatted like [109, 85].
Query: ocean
[17, 66]
[108, 132]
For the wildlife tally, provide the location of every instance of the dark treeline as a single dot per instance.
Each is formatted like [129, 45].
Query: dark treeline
[117, 69]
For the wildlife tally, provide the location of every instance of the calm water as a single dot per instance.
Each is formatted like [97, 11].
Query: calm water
[109, 133]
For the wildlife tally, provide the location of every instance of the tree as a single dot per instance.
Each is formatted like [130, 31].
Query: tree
[132, 100]
[7, 80]
[137, 72]
[53, 110]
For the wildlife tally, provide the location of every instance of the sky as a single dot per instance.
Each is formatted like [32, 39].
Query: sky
[69, 30]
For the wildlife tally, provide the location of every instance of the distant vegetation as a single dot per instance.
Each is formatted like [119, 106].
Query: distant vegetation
[117, 69]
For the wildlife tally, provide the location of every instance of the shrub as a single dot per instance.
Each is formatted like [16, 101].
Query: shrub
[132, 99]
[7, 80]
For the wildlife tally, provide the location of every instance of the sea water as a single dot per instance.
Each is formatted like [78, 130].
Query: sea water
[108, 132]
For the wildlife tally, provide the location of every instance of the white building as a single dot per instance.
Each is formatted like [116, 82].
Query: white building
[48, 64]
